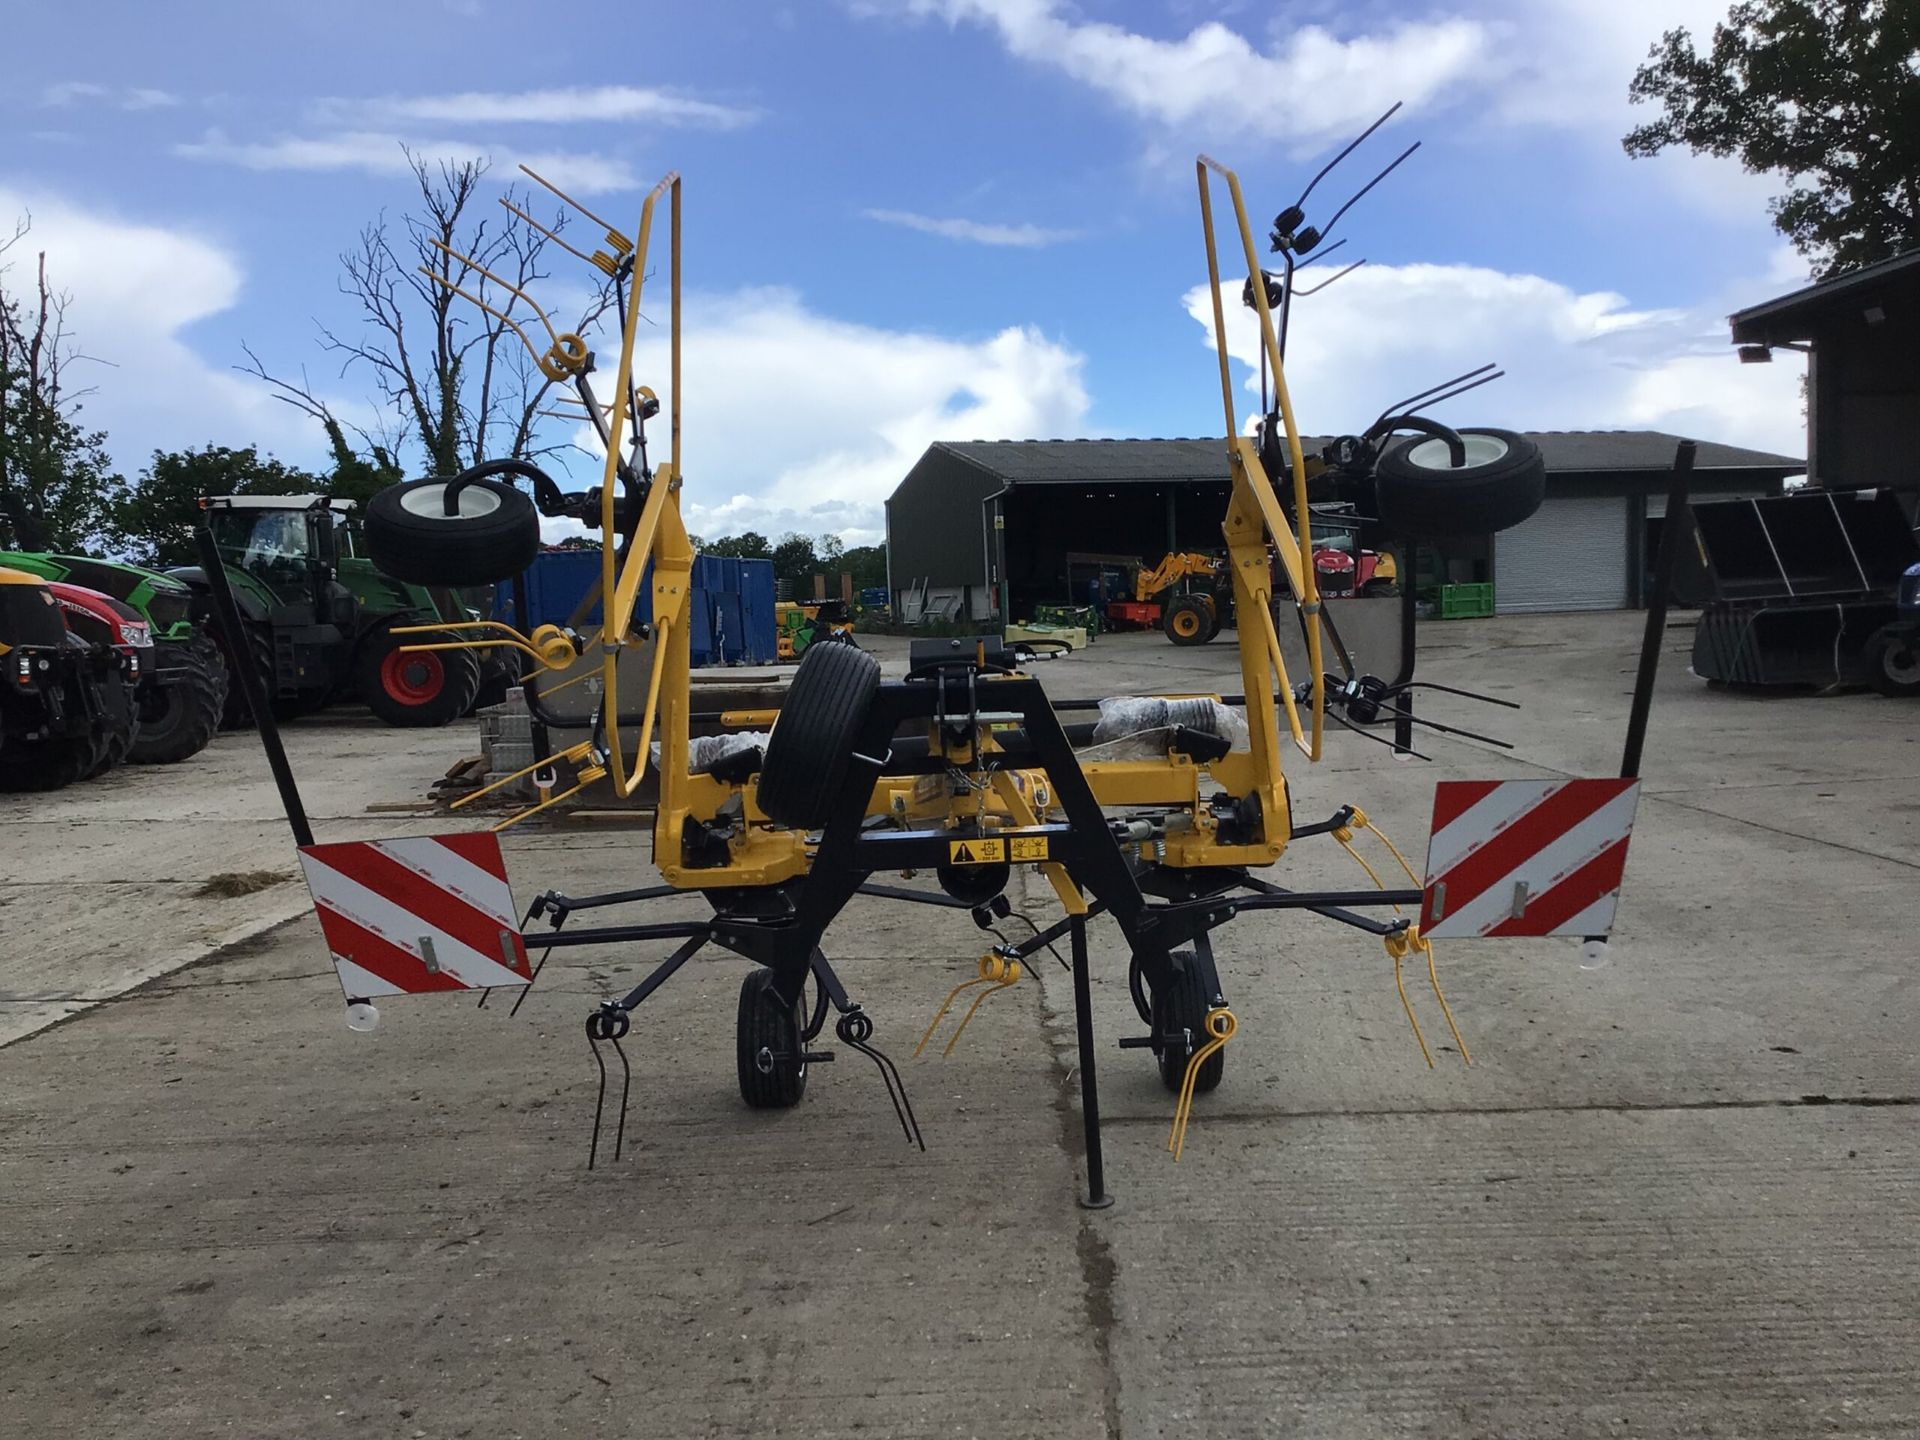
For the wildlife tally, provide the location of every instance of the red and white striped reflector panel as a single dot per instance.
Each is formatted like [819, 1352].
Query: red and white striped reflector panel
[1526, 857]
[416, 916]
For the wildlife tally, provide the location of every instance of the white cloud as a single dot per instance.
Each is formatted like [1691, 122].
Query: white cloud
[977, 232]
[1216, 82]
[797, 421]
[571, 105]
[137, 289]
[138, 97]
[1573, 361]
[377, 153]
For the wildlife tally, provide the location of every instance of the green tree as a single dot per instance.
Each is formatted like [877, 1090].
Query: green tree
[152, 524]
[794, 561]
[56, 482]
[748, 546]
[867, 564]
[1826, 94]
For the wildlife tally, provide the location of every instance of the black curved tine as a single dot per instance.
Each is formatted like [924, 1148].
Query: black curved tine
[1398, 713]
[896, 1090]
[626, 1085]
[1047, 943]
[1377, 739]
[1315, 290]
[527, 989]
[1366, 187]
[1318, 255]
[593, 1046]
[1401, 407]
[1455, 394]
[1352, 145]
[1454, 690]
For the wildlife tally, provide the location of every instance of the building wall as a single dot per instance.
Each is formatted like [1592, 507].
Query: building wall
[1865, 383]
[935, 526]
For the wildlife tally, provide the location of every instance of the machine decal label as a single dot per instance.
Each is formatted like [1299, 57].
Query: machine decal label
[427, 913]
[1526, 857]
[1032, 848]
[976, 852]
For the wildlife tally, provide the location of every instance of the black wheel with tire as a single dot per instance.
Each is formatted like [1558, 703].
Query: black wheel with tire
[418, 687]
[1893, 660]
[493, 534]
[119, 725]
[1181, 1005]
[812, 740]
[53, 765]
[234, 714]
[1189, 620]
[1418, 492]
[1378, 589]
[768, 1047]
[181, 717]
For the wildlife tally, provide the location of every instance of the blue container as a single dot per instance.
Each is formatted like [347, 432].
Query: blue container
[730, 618]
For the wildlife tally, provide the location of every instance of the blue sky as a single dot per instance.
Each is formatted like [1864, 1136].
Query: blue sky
[909, 220]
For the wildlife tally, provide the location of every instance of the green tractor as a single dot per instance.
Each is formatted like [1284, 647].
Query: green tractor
[181, 699]
[320, 619]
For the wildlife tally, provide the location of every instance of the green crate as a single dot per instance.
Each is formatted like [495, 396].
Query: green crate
[1465, 602]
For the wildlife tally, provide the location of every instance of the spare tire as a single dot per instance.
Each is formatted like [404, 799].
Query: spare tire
[1418, 492]
[494, 534]
[812, 740]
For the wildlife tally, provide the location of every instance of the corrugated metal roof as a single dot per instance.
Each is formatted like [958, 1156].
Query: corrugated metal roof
[1171, 461]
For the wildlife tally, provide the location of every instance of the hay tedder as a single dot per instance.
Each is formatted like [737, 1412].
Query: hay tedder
[1162, 815]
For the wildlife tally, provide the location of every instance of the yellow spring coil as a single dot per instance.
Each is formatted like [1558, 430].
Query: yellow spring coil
[1221, 1027]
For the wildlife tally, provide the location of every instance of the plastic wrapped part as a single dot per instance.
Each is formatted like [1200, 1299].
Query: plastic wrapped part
[706, 751]
[1139, 727]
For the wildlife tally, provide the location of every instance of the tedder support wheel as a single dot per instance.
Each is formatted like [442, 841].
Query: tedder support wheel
[494, 534]
[1418, 492]
[1189, 621]
[771, 1054]
[420, 687]
[1893, 660]
[813, 736]
[1181, 1005]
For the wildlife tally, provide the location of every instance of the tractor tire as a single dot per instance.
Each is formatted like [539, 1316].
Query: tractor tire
[410, 536]
[186, 713]
[769, 1051]
[1893, 661]
[234, 714]
[499, 673]
[1189, 620]
[1417, 492]
[427, 687]
[119, 729]
[53, 765]
[1379, 589]
[1182, 1005]
[812, 740]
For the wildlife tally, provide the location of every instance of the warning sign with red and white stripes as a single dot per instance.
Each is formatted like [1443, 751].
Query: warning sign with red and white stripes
[1526, 857]
[419, 915]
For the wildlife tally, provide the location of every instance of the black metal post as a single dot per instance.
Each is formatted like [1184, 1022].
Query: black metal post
[1409, 617]
[1655, 633]
[249, 679]
[1097, 1196]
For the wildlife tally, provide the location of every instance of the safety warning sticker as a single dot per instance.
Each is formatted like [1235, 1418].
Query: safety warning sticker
[976, 852]
[1034, 847]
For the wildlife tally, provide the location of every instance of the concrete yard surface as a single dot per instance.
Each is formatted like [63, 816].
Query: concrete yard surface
[1675, 1195]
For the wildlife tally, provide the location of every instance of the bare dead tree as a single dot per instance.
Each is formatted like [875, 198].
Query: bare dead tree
[54, 483]
[456, 380]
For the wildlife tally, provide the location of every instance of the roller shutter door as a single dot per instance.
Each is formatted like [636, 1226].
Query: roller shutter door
[1571, 555]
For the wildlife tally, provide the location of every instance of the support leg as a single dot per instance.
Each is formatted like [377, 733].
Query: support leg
[1097, 1196]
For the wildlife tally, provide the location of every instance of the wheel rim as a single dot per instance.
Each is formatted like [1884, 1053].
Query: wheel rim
[1901, 664]
[1186, 622]
[429, 502]
[412, 679]
[1433, 454]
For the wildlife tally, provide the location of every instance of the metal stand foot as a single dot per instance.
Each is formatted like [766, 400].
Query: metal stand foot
[1096, 1197]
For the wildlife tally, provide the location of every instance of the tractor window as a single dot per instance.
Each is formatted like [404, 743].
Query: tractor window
[255, 539]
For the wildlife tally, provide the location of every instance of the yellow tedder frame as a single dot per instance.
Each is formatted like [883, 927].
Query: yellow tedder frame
[1256, 528]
